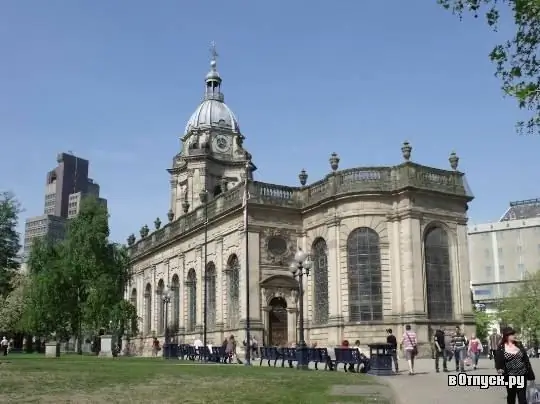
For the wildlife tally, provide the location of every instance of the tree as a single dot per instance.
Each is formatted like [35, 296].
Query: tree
[48, 304]
[516, 60]
[9, 240]
[522, 308]
[483, 321]
[13, 305]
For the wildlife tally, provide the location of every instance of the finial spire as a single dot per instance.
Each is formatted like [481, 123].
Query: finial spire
[213, 54]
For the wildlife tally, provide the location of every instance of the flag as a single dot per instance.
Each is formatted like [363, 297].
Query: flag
[245, 203]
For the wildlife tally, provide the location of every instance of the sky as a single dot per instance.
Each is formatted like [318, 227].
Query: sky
[116, 81]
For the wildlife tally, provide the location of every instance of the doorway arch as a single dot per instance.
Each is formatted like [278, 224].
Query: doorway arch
[278, 329]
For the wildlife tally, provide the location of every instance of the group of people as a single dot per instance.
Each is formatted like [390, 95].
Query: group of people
[509, 355]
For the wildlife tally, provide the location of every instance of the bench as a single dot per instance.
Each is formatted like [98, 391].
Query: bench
[351, 357]
[268, 353]
[289, 355]
[219, 355]
[320, 355]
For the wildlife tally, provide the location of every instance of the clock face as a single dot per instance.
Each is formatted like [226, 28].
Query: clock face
[222, 144]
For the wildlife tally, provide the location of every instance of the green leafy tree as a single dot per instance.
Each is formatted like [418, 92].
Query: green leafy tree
[522, 308]
[13, 305]
[9, 240]
[483, 321]
[48, 306]
[516, 60]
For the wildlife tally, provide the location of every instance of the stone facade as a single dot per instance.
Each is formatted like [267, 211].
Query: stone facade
[366, 229]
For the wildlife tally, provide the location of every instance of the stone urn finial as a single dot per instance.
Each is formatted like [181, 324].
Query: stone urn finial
[334, 161]
[454, 160]
[144, 231]
[170, 215]
[303, 177]
[157, 223]
[131, 239]
[185, 206]
[406, 150]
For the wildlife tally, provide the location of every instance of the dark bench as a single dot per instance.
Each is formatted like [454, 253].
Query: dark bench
[219, 355]
[268, 353]
[289, 355]
[351, 358]
[320, 355]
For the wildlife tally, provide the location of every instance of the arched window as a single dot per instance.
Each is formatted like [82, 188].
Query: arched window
[133, 298]
[175, 289]
[191, 285]
[148, 309]
[233, 286]
[160, 304]
[320, 282]
[364, 275]
[438, 276]
[211, 295]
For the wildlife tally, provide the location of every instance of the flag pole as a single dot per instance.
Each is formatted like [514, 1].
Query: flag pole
[246, 240]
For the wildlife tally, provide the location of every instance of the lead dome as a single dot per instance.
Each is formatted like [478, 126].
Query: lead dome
[213, 112]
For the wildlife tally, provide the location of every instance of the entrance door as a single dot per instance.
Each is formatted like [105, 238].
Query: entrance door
[278, 322]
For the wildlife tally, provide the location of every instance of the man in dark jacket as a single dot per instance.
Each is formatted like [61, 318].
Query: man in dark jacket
[392, 341]
[494, 342]
[440, 349]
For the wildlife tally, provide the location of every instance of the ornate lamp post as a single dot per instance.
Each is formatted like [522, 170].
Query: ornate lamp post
[300, 267]
[203, 195]
[166, 297]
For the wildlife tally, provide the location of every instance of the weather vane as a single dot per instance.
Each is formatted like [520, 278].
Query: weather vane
[213, 51]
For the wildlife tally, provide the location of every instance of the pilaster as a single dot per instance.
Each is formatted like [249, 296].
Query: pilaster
[182, 288]
[200, 286]
[412, 266]
[334, 283]
[220, 274]
[292, 322]
[461, 275]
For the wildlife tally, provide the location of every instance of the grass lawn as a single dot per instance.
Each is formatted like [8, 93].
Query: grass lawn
[75, 379]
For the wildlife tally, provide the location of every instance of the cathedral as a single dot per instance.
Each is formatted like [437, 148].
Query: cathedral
[388, 246]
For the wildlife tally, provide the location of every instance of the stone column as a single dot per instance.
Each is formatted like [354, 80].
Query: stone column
[200, 286]
[220, 274]
[292, 332]
[182, 286]
[412, 267]
[155, 300]
[254, 280]
[266, 324]
[395, 267]
[335, 274]
[461, 279]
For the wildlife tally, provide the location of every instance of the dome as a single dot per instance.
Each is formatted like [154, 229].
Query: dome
[213, 113]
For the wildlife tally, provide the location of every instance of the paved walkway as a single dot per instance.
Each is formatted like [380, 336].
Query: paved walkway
[429, 387]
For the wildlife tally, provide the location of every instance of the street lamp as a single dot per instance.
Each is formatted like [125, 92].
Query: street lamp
[166, 297]
[203, 196]
[300, 267]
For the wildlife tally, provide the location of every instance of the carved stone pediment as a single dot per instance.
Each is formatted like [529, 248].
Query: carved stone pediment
[277, 246]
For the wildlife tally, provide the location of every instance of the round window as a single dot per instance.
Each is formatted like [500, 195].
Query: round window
[277, 245]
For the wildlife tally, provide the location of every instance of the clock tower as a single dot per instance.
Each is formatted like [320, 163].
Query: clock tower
[212, 155]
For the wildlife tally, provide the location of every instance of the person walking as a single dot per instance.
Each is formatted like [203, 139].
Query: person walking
[493, 343]
[392, 341]
[410, 349]
[459, 345]
[440, 349]
[511, 360]
[4, 344]
[475, 349]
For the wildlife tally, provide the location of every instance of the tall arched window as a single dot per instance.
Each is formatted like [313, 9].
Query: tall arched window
[211, 295]
[438, 275]
[233, 286]
[133, 298]
[320, 282]
[175, 289]
[191, 285]
[364, 275]
[148, 309]
[160, 304]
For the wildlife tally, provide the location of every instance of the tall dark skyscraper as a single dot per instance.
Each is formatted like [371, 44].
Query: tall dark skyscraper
[65, 186]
